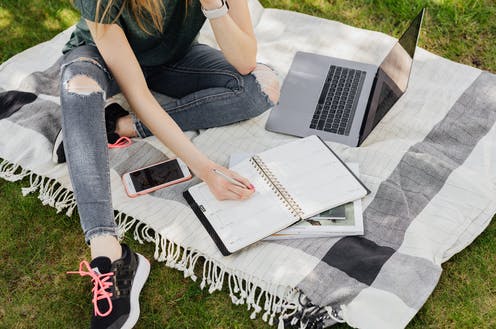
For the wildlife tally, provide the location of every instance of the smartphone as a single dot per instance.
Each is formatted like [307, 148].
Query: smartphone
[155, 176]
[334, 214]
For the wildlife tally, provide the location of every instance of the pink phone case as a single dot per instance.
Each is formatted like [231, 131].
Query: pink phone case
[158, 187]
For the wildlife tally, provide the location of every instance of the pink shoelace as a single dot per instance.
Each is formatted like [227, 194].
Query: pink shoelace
[101, 283]
[121, 143]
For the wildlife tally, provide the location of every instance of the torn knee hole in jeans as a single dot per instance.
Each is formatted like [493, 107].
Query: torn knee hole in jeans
[268, 81]
[87, 59]
[82, 85]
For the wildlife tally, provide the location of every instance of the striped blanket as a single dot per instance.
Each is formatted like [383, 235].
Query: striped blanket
[430, 164]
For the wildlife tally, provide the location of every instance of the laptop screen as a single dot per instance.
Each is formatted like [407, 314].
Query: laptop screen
[393, 76]
[398, 63]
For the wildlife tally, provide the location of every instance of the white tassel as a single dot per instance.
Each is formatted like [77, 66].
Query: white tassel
[231, 289]
[34, 182]
[258, 308]
[242, 291]
[171, 255]
[156, 254]
[265, 316]
[47, 193]
[192, 266]
[136, 234]
[141, 233]
[65, 200]
[177, 255]
[163, 247]
[182, 265]
[70, 210]
[268, 300]
[170, 250]
[121, 224]
[236, 287]
[274, 306]
[204, 275]
[8, 171]
[215, 279]
[250, 300]
[220, 282]
[147, 233]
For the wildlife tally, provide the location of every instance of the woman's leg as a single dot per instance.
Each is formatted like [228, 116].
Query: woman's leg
[118, 274]
[85, 83]
[209, 92]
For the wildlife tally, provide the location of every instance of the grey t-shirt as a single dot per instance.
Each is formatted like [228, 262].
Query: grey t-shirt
[181, 26]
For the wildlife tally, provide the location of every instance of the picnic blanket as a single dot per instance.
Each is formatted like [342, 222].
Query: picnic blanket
[430, 164]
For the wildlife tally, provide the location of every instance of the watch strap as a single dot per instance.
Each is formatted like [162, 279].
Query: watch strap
[216, 13]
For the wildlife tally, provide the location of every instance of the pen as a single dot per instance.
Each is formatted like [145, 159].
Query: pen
[229, 179]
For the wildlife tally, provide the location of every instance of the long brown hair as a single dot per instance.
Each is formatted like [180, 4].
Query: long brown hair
[144, 11]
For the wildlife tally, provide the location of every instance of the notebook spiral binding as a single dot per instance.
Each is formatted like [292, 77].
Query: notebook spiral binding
[276, 186]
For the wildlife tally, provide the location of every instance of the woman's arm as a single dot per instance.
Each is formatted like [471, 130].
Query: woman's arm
[120, 59]
[234, 34]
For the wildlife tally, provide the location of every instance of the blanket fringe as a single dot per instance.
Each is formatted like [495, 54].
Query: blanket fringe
[12, 172]
[243, 289]
[50, 192]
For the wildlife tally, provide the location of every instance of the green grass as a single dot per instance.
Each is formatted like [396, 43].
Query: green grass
[37, 245]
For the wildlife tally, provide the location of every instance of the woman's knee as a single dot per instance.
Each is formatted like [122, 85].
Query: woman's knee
[84, 76]
[82, 85]
[268, 81]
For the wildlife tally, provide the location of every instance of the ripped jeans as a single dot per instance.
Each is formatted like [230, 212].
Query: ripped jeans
[204, 91]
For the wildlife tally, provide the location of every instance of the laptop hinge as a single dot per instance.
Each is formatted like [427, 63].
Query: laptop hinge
[367, 109]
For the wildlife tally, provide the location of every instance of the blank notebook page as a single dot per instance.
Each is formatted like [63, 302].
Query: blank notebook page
[240, 223]
[314, 177]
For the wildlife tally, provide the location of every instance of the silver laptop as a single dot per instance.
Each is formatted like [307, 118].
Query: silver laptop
[340, 100]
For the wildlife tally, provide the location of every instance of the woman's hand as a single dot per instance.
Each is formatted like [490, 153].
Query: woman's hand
[221, 188]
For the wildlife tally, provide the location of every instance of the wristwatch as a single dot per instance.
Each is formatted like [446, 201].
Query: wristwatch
[216, 13]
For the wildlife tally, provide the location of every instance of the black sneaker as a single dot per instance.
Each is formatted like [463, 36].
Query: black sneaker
[58, 154]
[112, 113]
[116, 290]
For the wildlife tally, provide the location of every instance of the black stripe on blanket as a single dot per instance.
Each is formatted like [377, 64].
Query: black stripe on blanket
[368, 255]
[419, 176]
[11, 101]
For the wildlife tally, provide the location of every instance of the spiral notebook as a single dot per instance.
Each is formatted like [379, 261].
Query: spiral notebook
[293, 181]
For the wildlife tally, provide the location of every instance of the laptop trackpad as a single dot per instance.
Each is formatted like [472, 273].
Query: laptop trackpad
[300, 92]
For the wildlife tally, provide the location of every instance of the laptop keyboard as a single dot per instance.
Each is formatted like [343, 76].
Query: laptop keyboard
[338, 100]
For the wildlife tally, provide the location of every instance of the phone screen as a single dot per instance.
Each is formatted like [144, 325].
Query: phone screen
[156, 175]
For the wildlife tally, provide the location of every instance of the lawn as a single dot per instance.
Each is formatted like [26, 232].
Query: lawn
[37, 245]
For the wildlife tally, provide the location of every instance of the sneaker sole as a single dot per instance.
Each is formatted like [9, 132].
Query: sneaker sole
[139, 280]
[58, 140]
